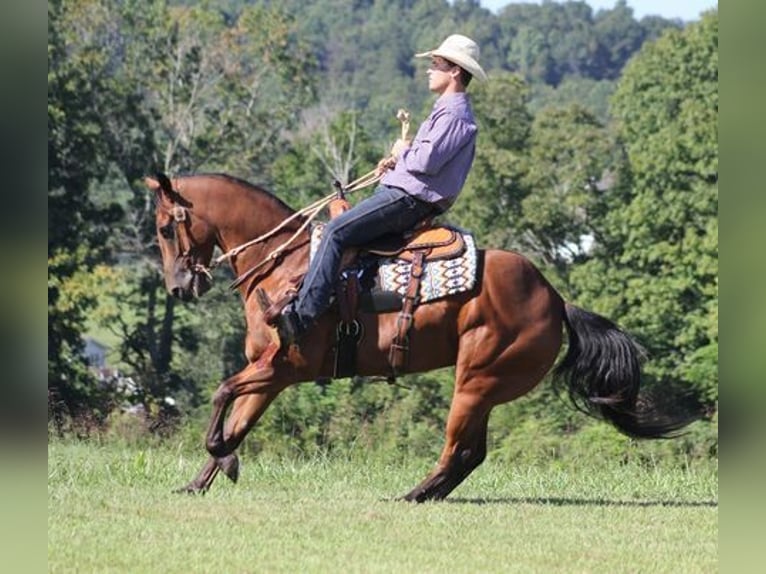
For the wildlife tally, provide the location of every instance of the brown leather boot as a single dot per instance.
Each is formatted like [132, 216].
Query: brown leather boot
[289, 327]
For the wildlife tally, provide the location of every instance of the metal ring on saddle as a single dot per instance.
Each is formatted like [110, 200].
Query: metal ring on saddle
[350, 329]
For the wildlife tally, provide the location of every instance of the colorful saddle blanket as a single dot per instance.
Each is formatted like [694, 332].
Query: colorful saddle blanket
[441, 278]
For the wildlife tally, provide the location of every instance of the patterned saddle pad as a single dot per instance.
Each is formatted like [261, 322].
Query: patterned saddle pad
[441, 278]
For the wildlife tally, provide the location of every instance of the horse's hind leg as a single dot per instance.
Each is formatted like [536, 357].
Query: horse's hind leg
[464, 451]
[475, 396]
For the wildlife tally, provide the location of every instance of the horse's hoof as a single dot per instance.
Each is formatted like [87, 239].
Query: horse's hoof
[230, 466]
[190, 488]
[413, 496]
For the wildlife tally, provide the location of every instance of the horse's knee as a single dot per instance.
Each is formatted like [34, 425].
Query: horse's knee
[222, 396]
[216, 446]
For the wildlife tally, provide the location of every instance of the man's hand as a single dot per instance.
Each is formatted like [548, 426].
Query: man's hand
[399, 146]
[384, 165]
[390, 162]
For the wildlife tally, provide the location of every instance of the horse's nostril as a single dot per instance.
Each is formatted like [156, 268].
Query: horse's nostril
[176, 292]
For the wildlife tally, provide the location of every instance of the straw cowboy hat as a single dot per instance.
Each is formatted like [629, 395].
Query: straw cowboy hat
[459, 50]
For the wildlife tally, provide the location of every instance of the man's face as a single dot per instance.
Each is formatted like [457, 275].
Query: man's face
[440, 74]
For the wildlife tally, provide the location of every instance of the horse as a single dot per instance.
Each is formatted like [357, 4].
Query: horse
[503, 336]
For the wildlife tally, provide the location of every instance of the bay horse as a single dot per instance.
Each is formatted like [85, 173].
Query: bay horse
[503, 336]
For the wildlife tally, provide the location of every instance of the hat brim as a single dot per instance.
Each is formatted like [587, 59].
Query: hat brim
[466, 62]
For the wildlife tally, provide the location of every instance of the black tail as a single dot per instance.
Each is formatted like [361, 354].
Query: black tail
[602, 373]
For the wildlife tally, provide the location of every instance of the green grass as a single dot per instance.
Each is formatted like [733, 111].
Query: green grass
[110, 509]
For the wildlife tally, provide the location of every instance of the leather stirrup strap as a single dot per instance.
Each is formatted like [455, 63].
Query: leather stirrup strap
[400, 346]
[349, 330]
[348, 298]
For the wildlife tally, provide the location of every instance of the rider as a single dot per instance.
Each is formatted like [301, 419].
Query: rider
[421, 178]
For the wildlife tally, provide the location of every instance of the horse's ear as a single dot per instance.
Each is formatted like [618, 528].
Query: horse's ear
[152, 183]
[165, 184]
[161, 185]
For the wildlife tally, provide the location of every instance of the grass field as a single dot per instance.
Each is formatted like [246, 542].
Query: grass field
[110, 509]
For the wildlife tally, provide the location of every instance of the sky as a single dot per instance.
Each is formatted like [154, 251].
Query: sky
[684, 9]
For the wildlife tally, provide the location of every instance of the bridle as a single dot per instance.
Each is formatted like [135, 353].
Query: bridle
[184, 245]
[181, 227]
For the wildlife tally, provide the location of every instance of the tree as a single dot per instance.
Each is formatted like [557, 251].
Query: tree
[491, 201]
[533, 187]
[552, 41]
[593, 95]
[619, 35]
[330, 147]
[659, 275]
[223, 96]
[136, 86]
[572, 157]
[530, 55]
[78, 229]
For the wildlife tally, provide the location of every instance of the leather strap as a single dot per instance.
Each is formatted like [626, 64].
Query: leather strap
[400, 346]
[349, 330]
[348, 298]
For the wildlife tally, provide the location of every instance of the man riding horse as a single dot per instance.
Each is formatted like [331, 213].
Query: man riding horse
[502, 336]
[420, 179]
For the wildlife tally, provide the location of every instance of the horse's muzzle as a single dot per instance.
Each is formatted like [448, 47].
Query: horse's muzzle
[182, 294]
[189, 284]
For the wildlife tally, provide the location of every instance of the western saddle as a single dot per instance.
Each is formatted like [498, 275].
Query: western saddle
[425, 243]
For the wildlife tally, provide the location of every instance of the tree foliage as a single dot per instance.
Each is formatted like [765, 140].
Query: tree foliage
[615, 199]
[535, 185]
[658, 267]
[551, 41]
[491, 201]
[78, 229]
[138, 86]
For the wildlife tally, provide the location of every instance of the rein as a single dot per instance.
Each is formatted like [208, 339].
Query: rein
[310, 211]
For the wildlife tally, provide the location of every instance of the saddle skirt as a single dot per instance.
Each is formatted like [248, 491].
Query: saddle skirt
[450, 264]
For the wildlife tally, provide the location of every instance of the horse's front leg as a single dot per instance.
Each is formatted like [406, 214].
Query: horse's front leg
[201, 483]
[253, 389]
[244, 413]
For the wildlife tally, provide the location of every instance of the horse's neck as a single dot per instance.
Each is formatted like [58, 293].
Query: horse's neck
[255, 215]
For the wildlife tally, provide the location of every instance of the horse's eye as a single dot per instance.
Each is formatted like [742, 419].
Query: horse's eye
[167, 231]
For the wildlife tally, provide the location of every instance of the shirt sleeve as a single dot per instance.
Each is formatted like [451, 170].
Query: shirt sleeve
[444, 136]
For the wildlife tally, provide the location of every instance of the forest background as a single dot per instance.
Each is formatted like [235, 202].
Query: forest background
[597, 158]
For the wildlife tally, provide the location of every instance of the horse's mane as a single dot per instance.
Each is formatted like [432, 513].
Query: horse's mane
[259, 189]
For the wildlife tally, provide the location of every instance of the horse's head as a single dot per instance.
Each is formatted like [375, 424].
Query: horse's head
[186, 241]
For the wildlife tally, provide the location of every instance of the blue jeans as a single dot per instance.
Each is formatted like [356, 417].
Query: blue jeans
[388, 210]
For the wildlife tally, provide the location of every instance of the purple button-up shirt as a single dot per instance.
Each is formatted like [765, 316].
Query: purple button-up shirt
[436, 164]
